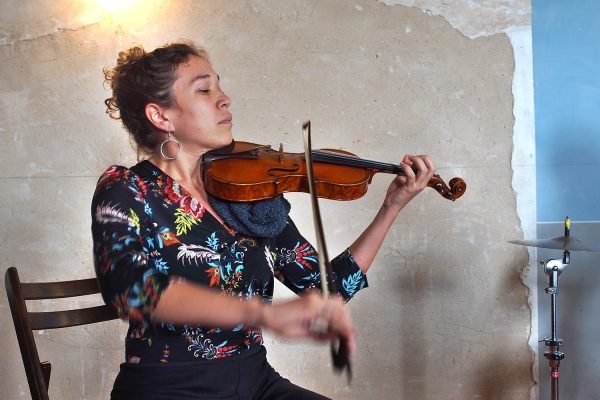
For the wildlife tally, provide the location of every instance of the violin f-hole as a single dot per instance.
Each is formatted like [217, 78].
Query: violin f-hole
[271, 171]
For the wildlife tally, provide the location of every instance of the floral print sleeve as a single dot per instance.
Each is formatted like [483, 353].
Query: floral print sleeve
[296, 265]
[128, 280]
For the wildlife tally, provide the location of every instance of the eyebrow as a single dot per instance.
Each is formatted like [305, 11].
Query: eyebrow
[200, 77]
[203, 76]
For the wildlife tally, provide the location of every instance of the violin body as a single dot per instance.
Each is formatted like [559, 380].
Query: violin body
[246, 171]
[261, 172]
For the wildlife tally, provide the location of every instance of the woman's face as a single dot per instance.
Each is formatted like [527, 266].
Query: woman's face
[200, 116]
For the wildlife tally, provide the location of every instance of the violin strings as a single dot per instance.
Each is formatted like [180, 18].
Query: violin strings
[353, 161]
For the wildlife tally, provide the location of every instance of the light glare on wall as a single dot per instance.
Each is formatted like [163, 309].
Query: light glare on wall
[132, 14]
[120, 6]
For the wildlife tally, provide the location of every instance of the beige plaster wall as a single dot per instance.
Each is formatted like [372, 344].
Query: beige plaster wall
[447, 314]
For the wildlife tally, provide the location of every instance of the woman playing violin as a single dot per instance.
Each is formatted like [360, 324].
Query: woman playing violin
[196, 292]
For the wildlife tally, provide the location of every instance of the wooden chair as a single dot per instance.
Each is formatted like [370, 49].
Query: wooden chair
[38, 373]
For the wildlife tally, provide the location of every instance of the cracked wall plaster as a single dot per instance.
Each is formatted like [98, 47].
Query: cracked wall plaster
[27, 20]
[482, 18]
[23, 20]
[475, 18]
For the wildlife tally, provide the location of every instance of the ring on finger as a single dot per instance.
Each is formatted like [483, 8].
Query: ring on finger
[319, 325]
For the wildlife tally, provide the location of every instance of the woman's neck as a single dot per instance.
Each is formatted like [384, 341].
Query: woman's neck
[185, 169]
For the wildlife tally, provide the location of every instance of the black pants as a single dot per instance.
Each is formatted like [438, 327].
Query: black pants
[247, 377]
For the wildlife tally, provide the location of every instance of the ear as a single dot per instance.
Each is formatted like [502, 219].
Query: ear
[157, 116]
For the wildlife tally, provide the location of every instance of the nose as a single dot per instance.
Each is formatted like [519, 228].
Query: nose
[223, 102]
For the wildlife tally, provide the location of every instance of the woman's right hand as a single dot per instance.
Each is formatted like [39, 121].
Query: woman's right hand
[308, 316]
[311, 316]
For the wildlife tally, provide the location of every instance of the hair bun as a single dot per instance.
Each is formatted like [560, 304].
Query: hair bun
[131, 55]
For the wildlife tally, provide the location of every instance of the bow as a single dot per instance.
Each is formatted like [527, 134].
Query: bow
[339, 355]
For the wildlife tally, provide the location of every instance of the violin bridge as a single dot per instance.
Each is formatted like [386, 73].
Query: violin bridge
[280, 153]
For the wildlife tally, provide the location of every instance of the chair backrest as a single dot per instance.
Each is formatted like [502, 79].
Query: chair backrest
[38, 373]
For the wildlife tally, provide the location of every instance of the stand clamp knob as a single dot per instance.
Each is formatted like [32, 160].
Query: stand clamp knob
[554, 355]
[553, 342]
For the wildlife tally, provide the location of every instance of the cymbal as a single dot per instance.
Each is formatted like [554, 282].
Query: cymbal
[569, 243]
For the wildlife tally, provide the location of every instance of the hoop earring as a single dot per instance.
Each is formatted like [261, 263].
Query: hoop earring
[162, 145]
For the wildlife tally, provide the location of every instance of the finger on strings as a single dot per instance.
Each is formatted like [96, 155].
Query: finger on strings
[421, 169]
[429, 163]
[407, 159]
[418, 163]
[406, 165]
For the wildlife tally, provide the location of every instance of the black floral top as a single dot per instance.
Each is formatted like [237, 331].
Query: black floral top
[147, 229]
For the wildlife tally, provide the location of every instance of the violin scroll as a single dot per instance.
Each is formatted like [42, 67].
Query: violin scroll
[457, 187]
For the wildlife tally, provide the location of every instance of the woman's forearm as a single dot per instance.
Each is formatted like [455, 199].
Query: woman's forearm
[418, 170]
[183, 302]
[365, 247]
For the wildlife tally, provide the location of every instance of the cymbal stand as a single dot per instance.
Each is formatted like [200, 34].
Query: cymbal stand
[553, 269]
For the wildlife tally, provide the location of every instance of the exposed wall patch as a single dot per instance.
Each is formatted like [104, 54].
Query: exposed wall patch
[475, 18]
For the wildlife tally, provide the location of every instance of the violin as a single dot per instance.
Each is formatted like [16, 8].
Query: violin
[244, 171]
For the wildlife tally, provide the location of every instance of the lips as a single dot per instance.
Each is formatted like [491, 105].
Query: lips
[226, 120]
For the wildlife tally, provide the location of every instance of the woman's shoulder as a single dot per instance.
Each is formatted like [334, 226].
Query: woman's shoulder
[113, 174]
[119, 187]
[118, 177]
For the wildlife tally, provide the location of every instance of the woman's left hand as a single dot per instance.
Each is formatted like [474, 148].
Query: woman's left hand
[418, 171]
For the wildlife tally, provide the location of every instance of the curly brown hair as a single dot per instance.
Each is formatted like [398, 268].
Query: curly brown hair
[140, 78]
